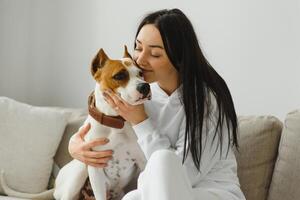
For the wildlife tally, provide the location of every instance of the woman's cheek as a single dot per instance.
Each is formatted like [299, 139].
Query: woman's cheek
[149, 77]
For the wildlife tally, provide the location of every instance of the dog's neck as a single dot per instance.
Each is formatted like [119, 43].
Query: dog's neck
[101, 104]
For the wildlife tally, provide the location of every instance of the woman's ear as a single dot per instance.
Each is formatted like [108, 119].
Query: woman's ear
[126, 54]
[99, 61]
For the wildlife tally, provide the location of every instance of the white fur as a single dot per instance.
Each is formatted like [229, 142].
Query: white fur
[72, 176]
[129, 93]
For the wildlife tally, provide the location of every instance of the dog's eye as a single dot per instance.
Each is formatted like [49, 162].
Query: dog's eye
[120, 76]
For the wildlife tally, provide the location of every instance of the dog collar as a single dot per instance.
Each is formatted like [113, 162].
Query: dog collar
[111, 121]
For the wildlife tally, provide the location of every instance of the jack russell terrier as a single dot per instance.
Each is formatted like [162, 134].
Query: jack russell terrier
[125, 79]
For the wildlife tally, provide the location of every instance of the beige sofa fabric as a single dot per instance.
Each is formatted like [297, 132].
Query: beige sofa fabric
[29, 137]
[62, 156]
[10, 198]
[286, 177]
[259, 139]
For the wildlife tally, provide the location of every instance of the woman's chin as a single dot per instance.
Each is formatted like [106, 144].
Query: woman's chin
[149, 79]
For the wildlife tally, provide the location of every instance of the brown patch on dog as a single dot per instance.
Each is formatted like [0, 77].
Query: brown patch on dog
[126, 54]
[128, 63]
[98, 61]
[104, 70]
[105, 76]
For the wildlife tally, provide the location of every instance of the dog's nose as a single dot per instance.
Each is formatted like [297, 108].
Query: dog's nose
[143, 88]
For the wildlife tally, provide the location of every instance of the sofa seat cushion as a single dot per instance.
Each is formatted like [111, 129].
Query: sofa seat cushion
[259, 139]
[10, 198]
[286, 176]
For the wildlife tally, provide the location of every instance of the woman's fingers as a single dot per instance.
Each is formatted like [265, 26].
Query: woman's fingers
[82, 132]
[103, 160]
[98, 160]
[114, 101]
[117, 100]
[98, 154]
[94, 143]
[124, 103]
[81, 150]
[109, 99]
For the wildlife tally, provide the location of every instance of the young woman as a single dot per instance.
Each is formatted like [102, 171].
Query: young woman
[188, 129]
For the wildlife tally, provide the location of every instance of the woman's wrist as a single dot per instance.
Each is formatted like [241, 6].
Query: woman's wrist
[139, 120]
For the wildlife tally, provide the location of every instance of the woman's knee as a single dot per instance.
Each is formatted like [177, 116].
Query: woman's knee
[164, 159]
[132, 195]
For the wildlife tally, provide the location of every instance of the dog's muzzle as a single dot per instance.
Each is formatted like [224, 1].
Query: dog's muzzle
[143, 88]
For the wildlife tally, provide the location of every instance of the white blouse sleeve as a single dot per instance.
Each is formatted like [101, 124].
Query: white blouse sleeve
[150, 139]
[218, 167]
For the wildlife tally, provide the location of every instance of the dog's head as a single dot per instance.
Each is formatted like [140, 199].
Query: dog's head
[121, 76]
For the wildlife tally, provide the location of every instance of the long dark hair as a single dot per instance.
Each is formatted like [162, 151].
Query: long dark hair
[198, 79]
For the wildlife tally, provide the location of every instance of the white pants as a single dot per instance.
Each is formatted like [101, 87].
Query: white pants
[164, 178]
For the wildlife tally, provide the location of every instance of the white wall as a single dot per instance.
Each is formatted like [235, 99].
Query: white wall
[46, 47]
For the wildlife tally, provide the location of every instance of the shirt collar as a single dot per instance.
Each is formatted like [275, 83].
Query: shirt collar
[160, 93]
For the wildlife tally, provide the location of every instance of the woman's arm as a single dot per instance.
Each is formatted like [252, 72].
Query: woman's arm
[149, 138]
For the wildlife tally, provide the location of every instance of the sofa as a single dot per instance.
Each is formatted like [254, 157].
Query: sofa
[268, 155]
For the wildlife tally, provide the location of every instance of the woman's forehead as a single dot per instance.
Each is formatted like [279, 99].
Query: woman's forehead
[149, 35]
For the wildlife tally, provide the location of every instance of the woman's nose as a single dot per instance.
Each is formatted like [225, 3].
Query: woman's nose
[140, 59]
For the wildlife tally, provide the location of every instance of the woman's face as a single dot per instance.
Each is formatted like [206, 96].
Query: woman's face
[151, 56]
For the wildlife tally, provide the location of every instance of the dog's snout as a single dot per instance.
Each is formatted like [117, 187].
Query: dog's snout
[143, 88]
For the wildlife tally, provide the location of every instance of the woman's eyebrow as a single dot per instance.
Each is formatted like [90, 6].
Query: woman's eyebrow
[152, 46]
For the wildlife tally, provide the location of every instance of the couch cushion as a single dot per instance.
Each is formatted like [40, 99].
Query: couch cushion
[259, 139]
[29, 137]
[10, 198]
[62, 156]
[286, 176]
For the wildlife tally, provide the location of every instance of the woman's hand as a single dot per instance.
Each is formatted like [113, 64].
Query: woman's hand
[81, 150]
[134, 114]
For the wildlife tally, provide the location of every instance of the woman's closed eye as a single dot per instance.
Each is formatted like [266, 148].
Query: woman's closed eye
[155, 56]
[154, 53]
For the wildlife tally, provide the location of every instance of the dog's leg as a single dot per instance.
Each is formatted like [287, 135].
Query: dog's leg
[70, 180]
[97, 179]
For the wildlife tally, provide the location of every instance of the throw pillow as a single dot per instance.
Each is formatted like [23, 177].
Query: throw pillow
[29, 137]
[259, 139]
[286, 176]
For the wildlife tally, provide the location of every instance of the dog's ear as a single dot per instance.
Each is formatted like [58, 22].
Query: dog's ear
[99, 61]
[126, 54]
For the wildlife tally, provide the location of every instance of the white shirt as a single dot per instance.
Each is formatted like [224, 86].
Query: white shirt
[165, 129]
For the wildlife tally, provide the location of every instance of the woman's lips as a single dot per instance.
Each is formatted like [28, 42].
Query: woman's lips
[145, 70]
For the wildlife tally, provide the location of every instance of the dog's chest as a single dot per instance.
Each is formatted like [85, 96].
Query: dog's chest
[123, 142]
[121, 166]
